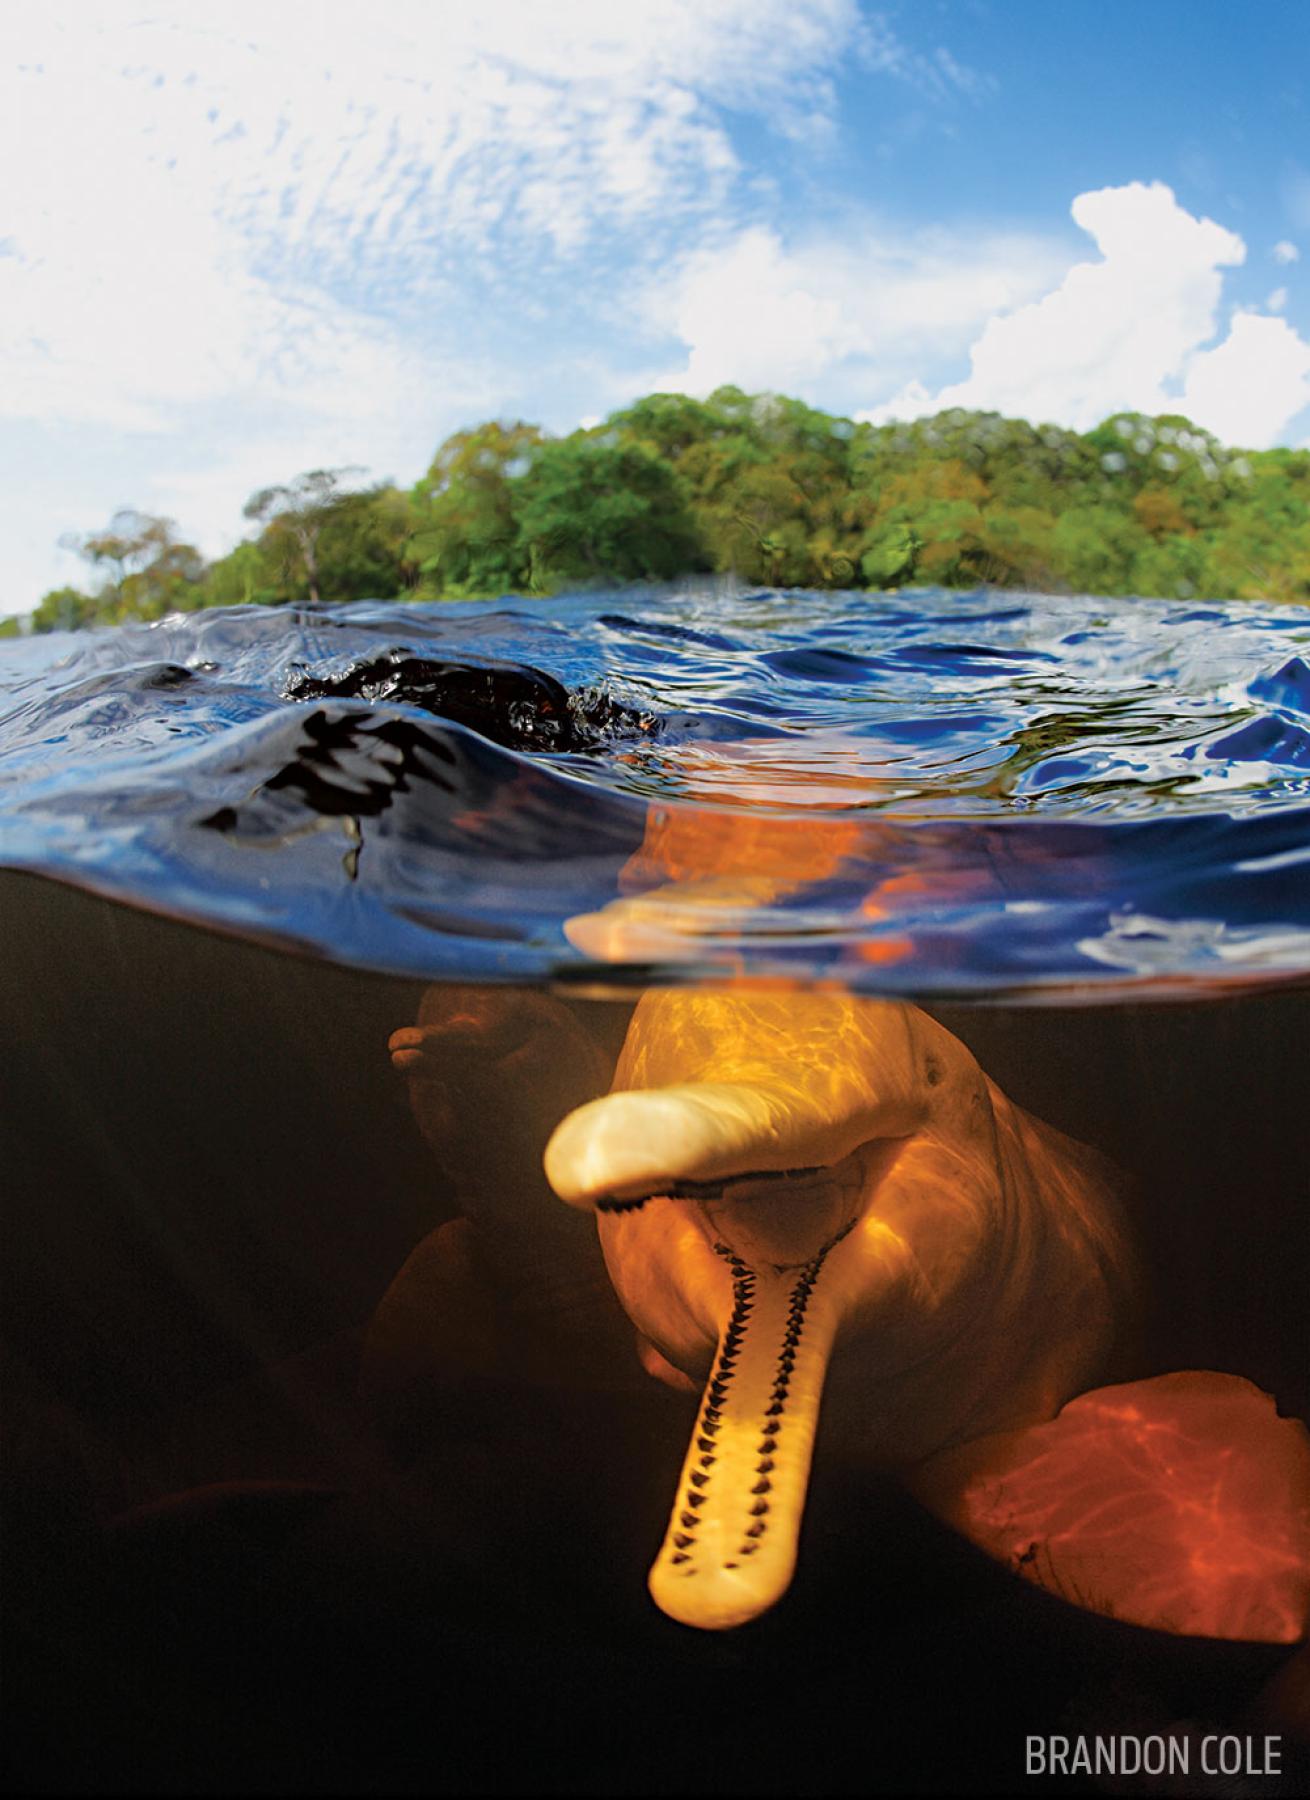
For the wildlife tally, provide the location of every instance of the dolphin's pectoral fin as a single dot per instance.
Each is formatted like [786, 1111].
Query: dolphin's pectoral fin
[1181, 1503]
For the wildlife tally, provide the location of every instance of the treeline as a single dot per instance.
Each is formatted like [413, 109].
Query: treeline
[760, 487]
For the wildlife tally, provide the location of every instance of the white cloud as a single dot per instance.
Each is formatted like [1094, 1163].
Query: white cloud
[1130, 331]
[1277, 301]
[269, 200]
[1114, 331]
[760, 314]
[1249, 388]
[1286, 252]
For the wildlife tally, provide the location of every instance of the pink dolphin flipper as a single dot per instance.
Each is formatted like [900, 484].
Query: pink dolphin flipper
[1180, 1503]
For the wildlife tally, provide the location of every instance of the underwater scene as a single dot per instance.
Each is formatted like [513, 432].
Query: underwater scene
[662, 1191]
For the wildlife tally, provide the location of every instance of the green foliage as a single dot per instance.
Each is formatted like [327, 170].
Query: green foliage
[465, 540]
[759, 486]
[295, 516]
[246, 576]
[145, 571]
[362, 546]
[590, 511]
[64, 609]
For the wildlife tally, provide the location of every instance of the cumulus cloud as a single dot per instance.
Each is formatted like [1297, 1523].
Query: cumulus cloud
[1249, 387]
[1131, 331]
[762, 314]
[1286, 252]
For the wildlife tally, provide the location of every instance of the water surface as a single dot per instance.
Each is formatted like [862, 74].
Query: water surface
[953, 794]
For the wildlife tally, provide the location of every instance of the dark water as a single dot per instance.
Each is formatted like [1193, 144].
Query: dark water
[1036, 792]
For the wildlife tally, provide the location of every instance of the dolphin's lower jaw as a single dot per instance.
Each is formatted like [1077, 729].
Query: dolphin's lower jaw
[730, 1549]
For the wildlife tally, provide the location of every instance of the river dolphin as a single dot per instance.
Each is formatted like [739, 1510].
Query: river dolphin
[784, 1179]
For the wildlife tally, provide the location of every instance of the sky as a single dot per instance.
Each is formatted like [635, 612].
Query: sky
[238, 240]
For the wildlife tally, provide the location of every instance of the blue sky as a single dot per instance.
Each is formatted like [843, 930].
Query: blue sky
[241, 240]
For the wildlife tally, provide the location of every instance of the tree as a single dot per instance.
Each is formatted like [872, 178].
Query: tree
[168, 581]
[759, 485]
[465, 540]
[591, 511]
[146, 569]
[667, 425]
[64, 609]
[294, 515]
[363, 547]
[1095, 548]
[247, 576]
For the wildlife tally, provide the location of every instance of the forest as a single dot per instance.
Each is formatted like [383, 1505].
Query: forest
[758, 488]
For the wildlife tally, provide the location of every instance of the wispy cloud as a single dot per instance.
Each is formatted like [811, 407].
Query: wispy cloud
[213, 202]
[936, 74]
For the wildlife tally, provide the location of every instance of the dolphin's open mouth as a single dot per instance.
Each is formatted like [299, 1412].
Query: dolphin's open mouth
[731, 1543]
[774, 1218]
[730, 1548]
[702, 1190]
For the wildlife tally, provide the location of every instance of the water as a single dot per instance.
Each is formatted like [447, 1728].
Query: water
[931, 794]
[213, 1177]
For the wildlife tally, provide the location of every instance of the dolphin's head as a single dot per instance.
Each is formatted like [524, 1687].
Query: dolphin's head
[782, 1178]
[778, 1174]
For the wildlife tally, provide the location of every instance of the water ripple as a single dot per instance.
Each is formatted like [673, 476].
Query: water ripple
[930, 793]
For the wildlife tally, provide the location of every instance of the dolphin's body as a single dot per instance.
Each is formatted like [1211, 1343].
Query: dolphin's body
[783, 1179]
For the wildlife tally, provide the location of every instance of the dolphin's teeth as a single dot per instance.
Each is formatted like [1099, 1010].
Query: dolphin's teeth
[623, 1206]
